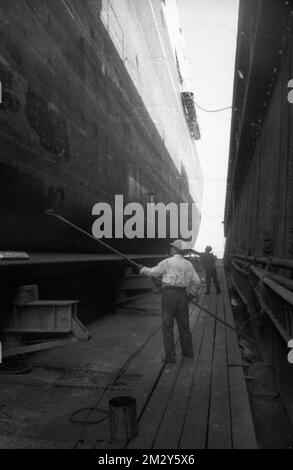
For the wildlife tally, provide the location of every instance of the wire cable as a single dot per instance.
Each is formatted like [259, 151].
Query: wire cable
[96, 402]
[73, 418]
[212, 110]
[219, 110]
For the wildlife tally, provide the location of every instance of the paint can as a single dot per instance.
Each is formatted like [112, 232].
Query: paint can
[123, 418]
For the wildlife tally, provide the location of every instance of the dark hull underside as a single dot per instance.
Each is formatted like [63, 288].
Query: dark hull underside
[73, 129]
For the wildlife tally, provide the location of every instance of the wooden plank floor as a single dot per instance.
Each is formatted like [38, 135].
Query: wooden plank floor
[200, 403]
[194, 404]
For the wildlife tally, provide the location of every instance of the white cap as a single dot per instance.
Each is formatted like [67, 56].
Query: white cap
[178, 244]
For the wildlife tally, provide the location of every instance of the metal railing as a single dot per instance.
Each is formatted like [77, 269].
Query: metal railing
[278, 262]
[266, 288]
[264, 291]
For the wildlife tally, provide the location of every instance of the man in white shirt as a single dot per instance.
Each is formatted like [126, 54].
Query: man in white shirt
[179, 279]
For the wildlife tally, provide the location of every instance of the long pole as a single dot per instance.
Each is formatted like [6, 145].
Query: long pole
[126, 258]
[51, 213]
[217, 318]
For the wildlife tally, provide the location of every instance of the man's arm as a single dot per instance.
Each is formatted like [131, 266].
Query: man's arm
[190, 250]
[157, 271]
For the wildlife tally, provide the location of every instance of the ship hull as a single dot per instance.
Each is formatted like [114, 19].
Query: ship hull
[74, 130]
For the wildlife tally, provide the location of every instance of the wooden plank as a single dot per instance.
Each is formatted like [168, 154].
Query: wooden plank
[158, 399]
[155, 408]
[171, 427]
[243, 432]
[39, 347]
[194, 430]
[219, 432]
[234, 354]
[148, 361]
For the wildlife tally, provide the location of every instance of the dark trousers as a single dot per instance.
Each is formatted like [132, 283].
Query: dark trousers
[211, 274]
[175, 305]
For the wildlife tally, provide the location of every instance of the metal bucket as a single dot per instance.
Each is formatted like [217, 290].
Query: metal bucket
[122, 418]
